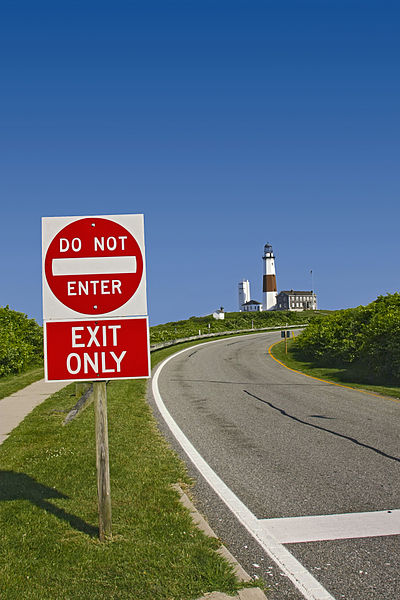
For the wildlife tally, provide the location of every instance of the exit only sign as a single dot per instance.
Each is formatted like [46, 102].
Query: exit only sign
[97, 349]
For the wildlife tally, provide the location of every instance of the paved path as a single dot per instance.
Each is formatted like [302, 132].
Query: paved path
[14, 408]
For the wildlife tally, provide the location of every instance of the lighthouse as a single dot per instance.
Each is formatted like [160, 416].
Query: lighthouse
[269, 278]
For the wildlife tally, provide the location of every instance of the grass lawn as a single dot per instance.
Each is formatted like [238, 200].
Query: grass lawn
[351, 377]
[12, 383]
[49, 548]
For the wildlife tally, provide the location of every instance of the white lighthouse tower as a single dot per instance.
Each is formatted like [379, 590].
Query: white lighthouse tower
[244, 292]
[269, 278]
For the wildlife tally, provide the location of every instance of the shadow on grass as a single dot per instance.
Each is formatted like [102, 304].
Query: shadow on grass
[355, 373]
[361, 376]
[19, 486]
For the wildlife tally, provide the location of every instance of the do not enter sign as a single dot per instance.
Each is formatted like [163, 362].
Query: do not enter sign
[93, 266]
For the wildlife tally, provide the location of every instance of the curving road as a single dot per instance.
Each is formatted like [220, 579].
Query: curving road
[316, 465]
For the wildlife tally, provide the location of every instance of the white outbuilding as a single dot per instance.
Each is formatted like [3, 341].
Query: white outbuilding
[252, 306]
[219, 314]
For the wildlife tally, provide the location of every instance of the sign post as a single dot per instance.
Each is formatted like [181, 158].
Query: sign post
[95, 315]
[102, 460]
[285, 334]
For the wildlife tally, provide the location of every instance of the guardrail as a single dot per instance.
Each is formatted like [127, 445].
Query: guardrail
[192, 338]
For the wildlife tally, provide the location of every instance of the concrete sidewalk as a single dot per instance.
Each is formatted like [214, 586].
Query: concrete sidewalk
[14, 408]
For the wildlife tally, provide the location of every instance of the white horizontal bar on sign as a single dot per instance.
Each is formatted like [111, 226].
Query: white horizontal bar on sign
[94, 265]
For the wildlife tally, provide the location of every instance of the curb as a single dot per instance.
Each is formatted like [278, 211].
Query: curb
[241, 574]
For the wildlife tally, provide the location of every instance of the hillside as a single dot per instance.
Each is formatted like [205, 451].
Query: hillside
[233, 321]
[21, 338]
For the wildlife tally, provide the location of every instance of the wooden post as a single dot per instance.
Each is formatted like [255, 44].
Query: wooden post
[102, 459]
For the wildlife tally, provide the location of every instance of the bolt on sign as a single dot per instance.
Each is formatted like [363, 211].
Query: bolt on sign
[94, 298]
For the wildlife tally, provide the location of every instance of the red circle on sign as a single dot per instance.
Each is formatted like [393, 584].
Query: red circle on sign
[94, 266]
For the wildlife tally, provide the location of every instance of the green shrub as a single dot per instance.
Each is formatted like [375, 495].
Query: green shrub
[380, 351]
[335, 339]
[368, 336]
[21, 342]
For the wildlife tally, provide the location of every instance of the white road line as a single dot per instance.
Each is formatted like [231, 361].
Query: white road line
[318, 528]
[309, 587]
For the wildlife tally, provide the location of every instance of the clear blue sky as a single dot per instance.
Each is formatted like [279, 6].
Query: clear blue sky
[228, 124]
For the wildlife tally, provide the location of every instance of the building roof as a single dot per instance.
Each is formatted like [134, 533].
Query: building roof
[251, 302]
[297, 293]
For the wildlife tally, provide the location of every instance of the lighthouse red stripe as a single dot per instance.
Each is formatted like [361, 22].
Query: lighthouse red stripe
[269, 283]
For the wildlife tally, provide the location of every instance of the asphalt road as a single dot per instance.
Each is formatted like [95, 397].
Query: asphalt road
[290, 446]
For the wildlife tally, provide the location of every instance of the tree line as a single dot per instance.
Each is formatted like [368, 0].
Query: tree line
[367, 336]
[21, 342]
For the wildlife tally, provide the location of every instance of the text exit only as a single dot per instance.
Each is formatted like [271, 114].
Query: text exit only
[101, 349]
